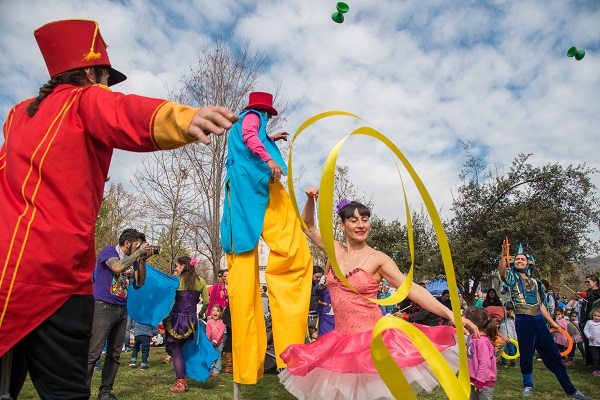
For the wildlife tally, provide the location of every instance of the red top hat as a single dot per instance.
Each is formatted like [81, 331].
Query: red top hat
[261, 101]
[72, 44]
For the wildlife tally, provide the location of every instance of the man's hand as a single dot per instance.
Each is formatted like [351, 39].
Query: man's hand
[323, 281]
[280, 136]
[276, 170]
[144, 252]
[211, 119]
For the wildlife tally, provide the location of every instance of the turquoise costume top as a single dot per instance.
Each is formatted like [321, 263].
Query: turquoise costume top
[246, 188]
[525, 294]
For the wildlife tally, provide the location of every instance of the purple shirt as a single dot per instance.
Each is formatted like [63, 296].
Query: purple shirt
[110, 287]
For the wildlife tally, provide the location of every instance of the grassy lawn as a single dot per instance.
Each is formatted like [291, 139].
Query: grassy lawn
[133, 383]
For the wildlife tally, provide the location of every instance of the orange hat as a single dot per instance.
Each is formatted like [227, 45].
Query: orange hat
[261, 101]
[72, 44]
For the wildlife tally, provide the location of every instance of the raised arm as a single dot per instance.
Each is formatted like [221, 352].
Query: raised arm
[140, 274]
[119, 265]
[308, 215]
[502, 263]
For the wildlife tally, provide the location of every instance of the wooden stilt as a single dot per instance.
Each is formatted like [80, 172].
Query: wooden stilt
[236, 391]
[5, 366]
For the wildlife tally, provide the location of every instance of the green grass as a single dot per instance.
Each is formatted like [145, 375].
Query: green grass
[133, 383]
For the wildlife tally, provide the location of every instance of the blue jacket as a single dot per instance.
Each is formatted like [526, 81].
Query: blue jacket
[246, 188]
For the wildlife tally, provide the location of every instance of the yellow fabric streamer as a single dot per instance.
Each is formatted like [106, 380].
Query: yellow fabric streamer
[455, 388]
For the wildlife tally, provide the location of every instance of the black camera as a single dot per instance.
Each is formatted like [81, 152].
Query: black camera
[155, 249]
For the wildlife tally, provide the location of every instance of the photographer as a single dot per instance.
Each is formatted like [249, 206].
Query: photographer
[115, 267]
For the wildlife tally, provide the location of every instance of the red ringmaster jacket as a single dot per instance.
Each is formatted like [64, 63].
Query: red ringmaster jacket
[52, 172]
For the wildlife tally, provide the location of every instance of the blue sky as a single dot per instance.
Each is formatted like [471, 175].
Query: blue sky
[425, 74]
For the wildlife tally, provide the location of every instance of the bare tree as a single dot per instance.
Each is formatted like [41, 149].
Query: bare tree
[117, 212]
[225, 77]
[167, 197]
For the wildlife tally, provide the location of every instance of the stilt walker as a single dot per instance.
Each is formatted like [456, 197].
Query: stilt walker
[257, 205]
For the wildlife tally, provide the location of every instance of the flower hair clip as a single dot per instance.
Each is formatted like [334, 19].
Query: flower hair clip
[193, 262]
[341, 204]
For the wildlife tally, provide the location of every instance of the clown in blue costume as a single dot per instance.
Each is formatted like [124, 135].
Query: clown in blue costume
[528, 297]
[257, 205]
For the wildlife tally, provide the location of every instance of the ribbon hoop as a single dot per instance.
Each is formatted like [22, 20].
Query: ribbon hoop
[390, 372]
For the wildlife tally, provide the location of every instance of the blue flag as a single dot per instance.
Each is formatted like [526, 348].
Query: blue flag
[151, 303]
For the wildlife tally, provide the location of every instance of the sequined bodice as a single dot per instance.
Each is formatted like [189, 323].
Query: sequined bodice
[354, 313]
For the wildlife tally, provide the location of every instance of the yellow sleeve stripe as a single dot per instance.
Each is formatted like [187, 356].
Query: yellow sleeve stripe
[169, 125]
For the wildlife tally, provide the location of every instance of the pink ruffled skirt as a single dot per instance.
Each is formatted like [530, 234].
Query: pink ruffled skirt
[339, 365]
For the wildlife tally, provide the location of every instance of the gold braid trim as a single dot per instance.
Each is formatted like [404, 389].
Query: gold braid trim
[186, 334]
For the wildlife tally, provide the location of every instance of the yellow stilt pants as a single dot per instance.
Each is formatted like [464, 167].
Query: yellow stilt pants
[288, 274]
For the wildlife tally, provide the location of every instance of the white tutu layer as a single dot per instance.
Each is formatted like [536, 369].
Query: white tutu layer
[320, 383]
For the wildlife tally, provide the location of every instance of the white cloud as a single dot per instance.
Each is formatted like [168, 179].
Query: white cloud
[424, 74]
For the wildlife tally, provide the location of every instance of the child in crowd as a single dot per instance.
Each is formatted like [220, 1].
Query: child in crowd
[215, 330]
[508, 329]
[575, 332]
[480, 353]
[142, 334]
[313, 334]
[559, 338]
[592, 332]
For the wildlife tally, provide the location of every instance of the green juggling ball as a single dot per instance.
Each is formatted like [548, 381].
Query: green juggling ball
[342, 8]
[578, 54]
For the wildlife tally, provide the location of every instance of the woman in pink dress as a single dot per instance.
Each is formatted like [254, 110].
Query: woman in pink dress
[338, 365]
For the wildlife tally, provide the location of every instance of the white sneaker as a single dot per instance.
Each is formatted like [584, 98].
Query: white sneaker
[528, 391]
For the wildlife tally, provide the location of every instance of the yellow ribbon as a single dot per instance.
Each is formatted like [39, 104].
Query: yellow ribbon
[455, 388]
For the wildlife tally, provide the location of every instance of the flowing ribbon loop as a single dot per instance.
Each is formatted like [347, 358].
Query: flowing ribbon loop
[455, 388]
